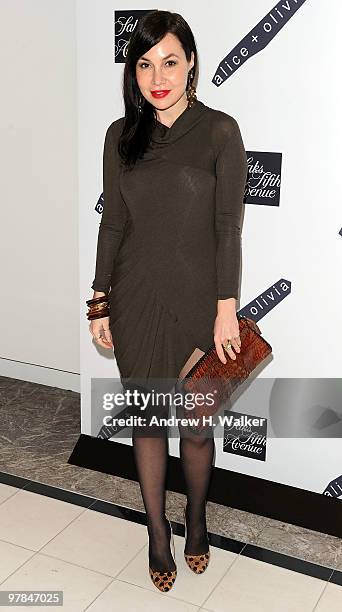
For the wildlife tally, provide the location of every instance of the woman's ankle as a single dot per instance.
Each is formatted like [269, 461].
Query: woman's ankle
[196, 514]
[158, 525]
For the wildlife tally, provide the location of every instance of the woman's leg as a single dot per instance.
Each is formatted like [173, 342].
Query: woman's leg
[196, 454]
[150, 449]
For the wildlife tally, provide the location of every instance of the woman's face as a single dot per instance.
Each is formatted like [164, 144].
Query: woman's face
[164, 68]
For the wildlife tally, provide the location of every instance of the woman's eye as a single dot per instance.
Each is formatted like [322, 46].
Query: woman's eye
[168, 62]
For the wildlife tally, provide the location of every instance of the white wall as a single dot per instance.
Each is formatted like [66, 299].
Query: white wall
[286, 99]
[39, 306]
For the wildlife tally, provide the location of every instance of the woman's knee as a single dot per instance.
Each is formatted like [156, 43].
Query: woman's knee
[185, 429]
[149, 432]
[197, 438]
[152, 424]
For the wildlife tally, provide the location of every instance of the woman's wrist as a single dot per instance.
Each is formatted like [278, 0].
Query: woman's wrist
[98, 306]
[98, 294]
[226, 305]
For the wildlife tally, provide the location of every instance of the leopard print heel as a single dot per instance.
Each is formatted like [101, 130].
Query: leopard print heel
[164, 581]
[197, 563]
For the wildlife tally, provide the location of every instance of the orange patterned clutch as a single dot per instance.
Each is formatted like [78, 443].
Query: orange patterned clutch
[210, 375]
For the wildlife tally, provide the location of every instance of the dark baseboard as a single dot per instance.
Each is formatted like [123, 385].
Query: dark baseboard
[256, 495]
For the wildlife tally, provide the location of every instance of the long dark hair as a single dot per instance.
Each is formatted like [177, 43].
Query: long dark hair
[138, 126]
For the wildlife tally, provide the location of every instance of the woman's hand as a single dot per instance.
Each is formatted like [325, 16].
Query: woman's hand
[226, 328]
[99, 329]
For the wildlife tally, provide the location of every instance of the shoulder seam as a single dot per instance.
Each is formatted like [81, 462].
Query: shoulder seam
[112, 127]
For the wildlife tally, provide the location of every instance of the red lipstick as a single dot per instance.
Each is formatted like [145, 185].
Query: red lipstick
[160, 93]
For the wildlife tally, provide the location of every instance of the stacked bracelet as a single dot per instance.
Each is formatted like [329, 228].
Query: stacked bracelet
[98, 308]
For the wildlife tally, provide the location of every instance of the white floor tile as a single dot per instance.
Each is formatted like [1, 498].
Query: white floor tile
[11, 557]
[6, 491]
[254, 585]
[31, 520]
[80, 551]
[331, 600]
[188, 586]
[99, 542]
[124, 596]
[80, 586]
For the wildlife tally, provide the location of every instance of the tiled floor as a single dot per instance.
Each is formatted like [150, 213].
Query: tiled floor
[68, 528]
[96, 553]
[40, 426]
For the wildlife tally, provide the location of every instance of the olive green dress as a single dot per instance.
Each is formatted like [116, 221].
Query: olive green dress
[169, 241]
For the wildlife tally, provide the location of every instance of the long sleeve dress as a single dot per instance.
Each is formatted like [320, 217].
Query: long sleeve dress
[169, 241]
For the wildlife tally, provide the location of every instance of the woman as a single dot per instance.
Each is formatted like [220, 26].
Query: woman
[168, 255]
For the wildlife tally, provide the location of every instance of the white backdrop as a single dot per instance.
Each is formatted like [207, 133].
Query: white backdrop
[286, 99]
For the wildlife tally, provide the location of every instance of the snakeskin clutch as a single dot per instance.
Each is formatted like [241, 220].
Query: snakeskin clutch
[210, 375]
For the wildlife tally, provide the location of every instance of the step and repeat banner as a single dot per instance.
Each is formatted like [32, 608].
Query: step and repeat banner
[274, 67]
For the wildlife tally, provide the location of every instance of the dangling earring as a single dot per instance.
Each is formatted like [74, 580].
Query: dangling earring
[140, 104]
[190, 89]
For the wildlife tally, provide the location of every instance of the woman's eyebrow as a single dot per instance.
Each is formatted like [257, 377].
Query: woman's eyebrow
[166, 56]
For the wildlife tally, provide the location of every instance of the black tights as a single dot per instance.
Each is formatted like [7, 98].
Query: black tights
[151, 455]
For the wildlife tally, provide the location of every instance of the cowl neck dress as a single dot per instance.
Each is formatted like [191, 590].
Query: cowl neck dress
[169, 241]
